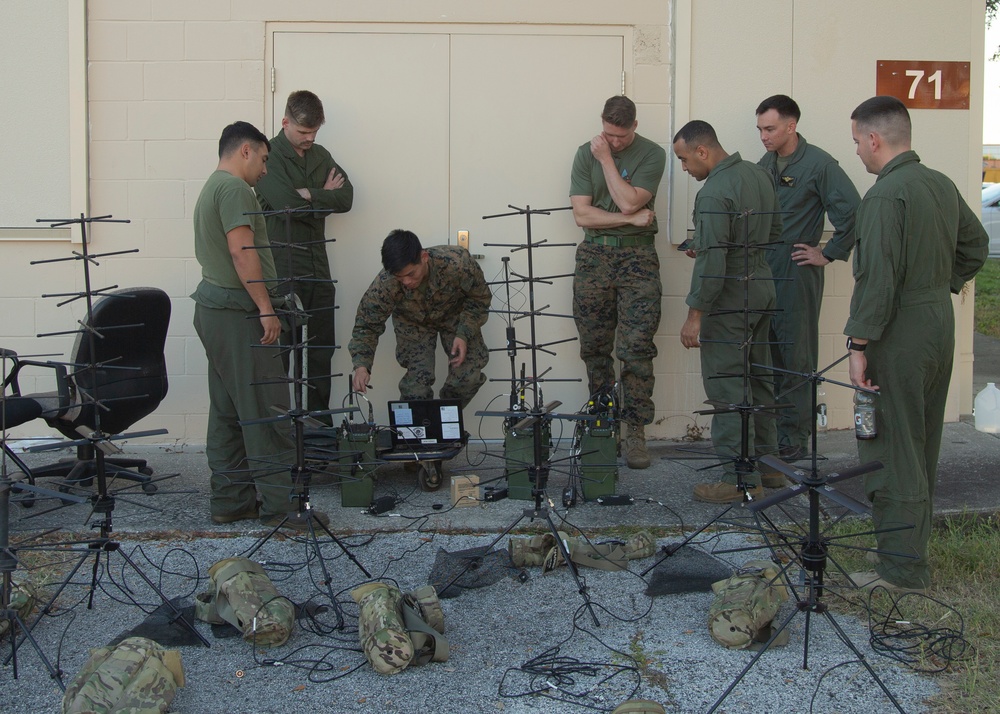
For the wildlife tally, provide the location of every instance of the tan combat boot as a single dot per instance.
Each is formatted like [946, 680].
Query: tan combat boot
[636, 453]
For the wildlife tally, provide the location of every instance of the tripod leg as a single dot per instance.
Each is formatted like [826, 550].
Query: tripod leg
[313, 543]
[93, 578]
[340, 543]
[15, 623]
[44, 610]
[861, 658]
[580, 587]
[487, 549]
[752, 662]
[668, 551]
[178, 616]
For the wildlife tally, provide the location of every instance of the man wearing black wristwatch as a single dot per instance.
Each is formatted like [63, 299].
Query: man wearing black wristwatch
[917, 242]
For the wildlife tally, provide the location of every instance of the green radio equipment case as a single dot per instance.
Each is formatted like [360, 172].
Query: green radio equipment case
[519, 455]
[357, 472]
[598, 458]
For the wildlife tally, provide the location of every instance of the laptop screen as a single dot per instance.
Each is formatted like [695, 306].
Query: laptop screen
[425, 422]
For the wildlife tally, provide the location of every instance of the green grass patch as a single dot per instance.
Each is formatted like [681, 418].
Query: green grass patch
[987, 312]
[965, 557]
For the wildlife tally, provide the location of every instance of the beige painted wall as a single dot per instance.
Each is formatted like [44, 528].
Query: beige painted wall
[165, 77]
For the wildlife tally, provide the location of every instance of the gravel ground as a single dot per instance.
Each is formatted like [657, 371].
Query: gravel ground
[492, 631]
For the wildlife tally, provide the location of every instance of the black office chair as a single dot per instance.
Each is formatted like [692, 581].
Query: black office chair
[126, 373]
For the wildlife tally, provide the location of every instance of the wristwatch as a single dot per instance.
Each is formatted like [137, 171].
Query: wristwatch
[852, 345]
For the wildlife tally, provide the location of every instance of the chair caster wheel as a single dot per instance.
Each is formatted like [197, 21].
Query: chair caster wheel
[149, 488]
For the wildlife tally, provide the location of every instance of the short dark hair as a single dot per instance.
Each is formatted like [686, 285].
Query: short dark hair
[886, 116]
[619, 111]
[400, 249]
[698, 133]
[305, 109]
[237, 134]
[781, 103]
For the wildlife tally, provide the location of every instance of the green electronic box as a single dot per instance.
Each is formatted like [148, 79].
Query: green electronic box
[598, 460]
[357, 470]
[519, 455]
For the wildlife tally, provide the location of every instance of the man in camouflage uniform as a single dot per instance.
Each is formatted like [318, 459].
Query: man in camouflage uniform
[429, 293]
[303, 174]
[917, 242]
[810, 184]
[617, 281]
[717, 320]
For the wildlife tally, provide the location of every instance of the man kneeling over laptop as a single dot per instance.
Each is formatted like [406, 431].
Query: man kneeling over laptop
[432, 292]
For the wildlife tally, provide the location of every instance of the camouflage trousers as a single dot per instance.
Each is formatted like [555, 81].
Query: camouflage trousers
[415, 348]
[616, 293]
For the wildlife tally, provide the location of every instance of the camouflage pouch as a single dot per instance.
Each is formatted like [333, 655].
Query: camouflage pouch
[23, 599]
[530, 551]
[135, 676]
[745, 604]
[640, 545]
[428, 604]
[384, 639]
[241, 594]
[429, 643]
[639, 706]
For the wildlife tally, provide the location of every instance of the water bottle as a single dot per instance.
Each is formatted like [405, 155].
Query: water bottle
[821, 420]
[864, 415]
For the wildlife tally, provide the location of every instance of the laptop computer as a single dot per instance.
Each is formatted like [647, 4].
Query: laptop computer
[426, 424]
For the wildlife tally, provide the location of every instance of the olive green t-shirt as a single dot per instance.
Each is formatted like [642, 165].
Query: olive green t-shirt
[222, 206]
[641, 164]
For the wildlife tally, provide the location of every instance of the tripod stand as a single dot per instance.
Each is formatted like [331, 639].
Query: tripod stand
[537, 416]
[747, 408]
[103, 502]
[812, 554]
[303, 517]
[8, 557]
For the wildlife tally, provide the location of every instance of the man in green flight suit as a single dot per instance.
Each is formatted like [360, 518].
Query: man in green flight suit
[303, 174]
[244, 384]
[917, 242]
[810, 184]
[616, 285]
[435, 293]
[716, 315]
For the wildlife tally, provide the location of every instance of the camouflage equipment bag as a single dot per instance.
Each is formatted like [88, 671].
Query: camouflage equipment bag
[135, 676]
[745, 604]
[381, 631]
[397, 630]
[23, 599]
[639, 706]
[240, 593]
[603, 556]
[530, 550]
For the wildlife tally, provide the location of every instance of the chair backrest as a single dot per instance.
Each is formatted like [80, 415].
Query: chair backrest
[133, 325]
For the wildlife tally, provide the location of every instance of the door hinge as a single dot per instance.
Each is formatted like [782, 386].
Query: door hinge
[272, 80]
[623, 83]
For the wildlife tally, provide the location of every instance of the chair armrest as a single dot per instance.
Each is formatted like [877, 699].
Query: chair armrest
[10, 378]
